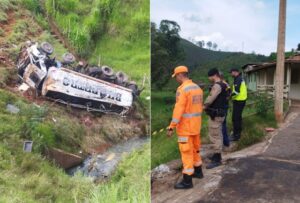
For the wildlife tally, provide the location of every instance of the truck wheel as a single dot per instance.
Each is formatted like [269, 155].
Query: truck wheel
[107, 71]
[47, 48]
[95, 72]
[68, 58]
[133, 86]
[122, 78]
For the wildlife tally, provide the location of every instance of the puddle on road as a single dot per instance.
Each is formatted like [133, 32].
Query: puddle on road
[101, 166]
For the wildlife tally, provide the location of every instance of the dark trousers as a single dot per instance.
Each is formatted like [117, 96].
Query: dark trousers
[226, 141]
[237, 111]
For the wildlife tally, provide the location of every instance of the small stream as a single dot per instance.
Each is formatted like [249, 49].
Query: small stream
[101, 166]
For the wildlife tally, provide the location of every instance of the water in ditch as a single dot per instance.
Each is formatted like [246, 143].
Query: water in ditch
[101, 166]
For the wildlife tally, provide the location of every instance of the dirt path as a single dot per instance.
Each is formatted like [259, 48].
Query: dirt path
[266, 172]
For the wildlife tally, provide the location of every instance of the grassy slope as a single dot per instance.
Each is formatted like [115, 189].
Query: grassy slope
[119, 39]
[130, 183]
[28, 177]
[31, 178]
[127, 48]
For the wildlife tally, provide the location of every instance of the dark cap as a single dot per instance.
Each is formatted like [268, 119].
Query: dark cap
[234, 70]
[213, 72]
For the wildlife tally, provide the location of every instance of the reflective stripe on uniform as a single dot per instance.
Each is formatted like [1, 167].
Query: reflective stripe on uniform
[175, 120]
[188, 170]
[182, 139]
[194, 87]
[190, 115]
[235, 92]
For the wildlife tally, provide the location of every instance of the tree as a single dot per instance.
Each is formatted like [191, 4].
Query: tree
[209, 44]
[298, 48]
[166, 51]
[215, 46]
[200, 44]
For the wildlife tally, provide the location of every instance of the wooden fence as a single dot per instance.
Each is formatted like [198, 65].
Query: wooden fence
[270, 90]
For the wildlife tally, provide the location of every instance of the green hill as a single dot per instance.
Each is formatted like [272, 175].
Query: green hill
[200, 58]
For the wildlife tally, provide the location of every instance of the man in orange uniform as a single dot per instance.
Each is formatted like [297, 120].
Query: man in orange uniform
[187, 121]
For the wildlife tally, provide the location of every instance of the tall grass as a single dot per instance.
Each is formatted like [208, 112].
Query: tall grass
[28, 176]
[131, 181]
[108, 32]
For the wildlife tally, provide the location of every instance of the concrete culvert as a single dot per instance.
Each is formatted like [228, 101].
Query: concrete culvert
[121, 78]
[47, 48]
[68, 58]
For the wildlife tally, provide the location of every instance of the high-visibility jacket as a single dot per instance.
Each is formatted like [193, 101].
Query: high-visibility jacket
[188, 109]
[239, 89]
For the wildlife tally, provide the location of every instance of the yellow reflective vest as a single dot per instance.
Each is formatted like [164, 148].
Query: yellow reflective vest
[242, 94]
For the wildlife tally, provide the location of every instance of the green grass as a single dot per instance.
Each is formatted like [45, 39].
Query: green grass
[254, 129]
[165, 149]
[108, 32]
[30, 177]
[131, 182]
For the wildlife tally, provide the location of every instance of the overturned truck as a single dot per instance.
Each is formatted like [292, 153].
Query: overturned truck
[90, 87]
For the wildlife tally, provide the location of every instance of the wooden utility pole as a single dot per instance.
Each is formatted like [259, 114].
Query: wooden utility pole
[279, 82]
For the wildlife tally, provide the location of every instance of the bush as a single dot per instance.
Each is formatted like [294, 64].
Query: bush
[66, 6]
[32, 5]
[5, 5]
[264, 102]
[3, 16]
[42, 135]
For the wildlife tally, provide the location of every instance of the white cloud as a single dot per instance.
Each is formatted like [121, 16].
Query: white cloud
[244, 25]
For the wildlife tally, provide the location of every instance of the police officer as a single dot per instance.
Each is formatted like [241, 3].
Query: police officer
[187, 121]
[239, 97]
[214, 106]
[226, 141]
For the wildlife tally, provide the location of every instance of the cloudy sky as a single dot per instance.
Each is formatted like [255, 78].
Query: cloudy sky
[235, 25]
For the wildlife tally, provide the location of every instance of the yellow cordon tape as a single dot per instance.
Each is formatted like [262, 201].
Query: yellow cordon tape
[160, 131]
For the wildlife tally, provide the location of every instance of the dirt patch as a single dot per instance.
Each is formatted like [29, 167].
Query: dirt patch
[7, 26]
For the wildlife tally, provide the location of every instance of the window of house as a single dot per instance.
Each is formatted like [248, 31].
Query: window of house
[295, 76]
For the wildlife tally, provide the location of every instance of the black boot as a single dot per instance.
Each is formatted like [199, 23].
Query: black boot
[234, 138]
[186, 183]
[216, 161]
[198, 172]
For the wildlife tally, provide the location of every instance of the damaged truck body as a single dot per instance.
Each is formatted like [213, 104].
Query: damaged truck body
[92, 88]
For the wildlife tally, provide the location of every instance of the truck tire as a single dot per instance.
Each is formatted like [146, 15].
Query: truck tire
[133, 86]
[107, 71]
[47, 48]
[121, 78]
[95, 72]
[68, 58]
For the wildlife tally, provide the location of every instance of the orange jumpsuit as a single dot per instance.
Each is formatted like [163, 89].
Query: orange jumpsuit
[187, 121]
